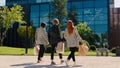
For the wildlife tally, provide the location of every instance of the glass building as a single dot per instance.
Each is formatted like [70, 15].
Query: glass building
[93, 12]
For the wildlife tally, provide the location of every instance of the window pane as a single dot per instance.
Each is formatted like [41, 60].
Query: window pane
[44, 7]
[43, 13]
[100, 10]
[75, 4]
[34, 14]
[101, 28]
[101, 3]
[101, 22]
[34, 8]
[44, 19]
[101, 17]
[80, 11]
[88, 3]
[35, 21]
[88, 17]
[89, 11]
[80, 18]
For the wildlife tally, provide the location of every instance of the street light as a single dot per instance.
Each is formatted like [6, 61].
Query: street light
[26, 47]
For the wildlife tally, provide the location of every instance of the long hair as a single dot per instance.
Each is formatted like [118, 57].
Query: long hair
[70, 27]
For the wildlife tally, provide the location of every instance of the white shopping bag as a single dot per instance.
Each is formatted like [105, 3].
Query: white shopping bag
[36, 49]
[60, 47]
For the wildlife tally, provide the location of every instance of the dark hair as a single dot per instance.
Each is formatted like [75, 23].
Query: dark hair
[43, 25]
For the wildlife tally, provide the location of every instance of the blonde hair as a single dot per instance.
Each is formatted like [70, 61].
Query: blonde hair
[70, 27]
[55, 21]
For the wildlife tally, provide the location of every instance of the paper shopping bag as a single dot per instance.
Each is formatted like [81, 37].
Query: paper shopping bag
[36, 49]
[83, 50]
[60, 47]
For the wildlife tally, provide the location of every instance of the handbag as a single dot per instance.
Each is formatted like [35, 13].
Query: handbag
[60, 47]
[83, 50]
[36, 49]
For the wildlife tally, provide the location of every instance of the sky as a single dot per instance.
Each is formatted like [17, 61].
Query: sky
[117, 3]
[2, 2]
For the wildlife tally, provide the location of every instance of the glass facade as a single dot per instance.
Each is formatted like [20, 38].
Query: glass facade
[93, 12]
[38, 14]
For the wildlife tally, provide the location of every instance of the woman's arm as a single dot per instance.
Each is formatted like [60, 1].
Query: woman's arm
[78, 36]
[45, 36]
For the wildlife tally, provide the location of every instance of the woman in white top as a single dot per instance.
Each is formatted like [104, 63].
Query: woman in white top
[41, 39]
[72, 38]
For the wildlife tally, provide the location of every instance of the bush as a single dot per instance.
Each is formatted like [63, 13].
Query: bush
[113, 50]
[93, 47]
[22, 32]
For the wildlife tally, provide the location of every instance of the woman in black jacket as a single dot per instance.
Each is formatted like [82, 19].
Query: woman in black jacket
[54, 36]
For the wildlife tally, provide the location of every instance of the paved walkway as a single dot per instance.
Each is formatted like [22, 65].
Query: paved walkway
[81, 62]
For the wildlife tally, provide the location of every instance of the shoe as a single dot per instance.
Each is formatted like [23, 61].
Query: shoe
[38, 61]
[53, 63]
[62, 61]
[74, 63]
[67, 63]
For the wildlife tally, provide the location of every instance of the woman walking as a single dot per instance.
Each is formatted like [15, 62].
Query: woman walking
[54, 36]
[41, 39]
[72, 38]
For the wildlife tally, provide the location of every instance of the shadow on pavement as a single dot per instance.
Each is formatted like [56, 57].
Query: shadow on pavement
[32, 65]
[51, 66]
[24, 64]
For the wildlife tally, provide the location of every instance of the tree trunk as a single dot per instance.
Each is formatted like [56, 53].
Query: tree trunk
[3, 35]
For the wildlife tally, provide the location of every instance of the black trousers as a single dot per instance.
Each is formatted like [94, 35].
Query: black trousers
[72, 54]
[53, 46]
[41, 51]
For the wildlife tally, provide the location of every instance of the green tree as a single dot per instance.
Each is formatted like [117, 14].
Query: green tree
[1, 19]
[86, 32]
[31, 34]
[10, 16]
[59, 11]
[72, 14]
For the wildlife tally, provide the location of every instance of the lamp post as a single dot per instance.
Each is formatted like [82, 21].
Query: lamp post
[26, 46]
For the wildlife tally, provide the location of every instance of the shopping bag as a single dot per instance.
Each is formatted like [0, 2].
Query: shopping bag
[83, 50]
[60, 47]
[36, 49]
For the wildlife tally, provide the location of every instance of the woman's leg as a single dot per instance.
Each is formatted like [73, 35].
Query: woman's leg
[41, 51]
[52, 54]
[71, 55]
[60, 55]
[52, 51]
[42, 47]
[38, 55]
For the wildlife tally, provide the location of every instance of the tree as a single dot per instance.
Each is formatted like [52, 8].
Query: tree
[10, 16]
[86, 32]
[22, 33]
[58, 10]
[72, 14]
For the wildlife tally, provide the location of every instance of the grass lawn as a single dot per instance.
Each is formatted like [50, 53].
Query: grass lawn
[21, 51]
[11, 50]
